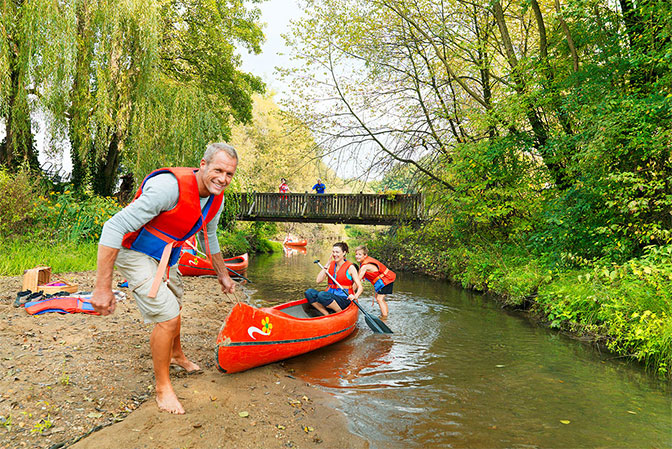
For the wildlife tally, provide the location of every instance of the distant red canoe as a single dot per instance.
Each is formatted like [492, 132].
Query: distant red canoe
[253, 337]
[296, 243]
[191, 265]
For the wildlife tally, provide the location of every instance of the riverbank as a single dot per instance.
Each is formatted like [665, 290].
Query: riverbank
[626, 307]
[66, 377]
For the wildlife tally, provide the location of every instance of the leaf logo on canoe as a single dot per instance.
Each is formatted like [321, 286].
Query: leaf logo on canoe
[266, 327]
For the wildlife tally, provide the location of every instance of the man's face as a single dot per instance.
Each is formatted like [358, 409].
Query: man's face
[214, 177]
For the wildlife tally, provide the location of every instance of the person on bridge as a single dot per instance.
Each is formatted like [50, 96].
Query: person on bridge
[319, 187]
[145, 239]
[345, 273]
[378, 274]
[282, 203]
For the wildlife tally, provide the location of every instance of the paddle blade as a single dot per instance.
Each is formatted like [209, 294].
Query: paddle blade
[377, 325]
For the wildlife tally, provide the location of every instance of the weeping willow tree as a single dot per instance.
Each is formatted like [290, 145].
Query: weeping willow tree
[197, 91]
[36, 41]
[116, 51]
[131, 84]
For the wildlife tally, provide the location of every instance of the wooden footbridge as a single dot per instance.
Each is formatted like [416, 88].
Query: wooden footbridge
[373, 209]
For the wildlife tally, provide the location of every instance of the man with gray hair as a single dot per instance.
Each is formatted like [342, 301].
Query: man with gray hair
[144, 240]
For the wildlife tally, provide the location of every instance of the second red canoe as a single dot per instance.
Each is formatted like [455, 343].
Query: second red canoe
[191, 265]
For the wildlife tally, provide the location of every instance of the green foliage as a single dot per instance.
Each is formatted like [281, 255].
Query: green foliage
[75, 217]
[249, 238]
[233, 243]
[627, 306]
[630, 305]
[17, 203]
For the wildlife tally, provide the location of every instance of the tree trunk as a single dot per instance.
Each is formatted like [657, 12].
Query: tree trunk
[539, 131]
[105, 178]
[19, 145]
[80, 144]
[568, 36]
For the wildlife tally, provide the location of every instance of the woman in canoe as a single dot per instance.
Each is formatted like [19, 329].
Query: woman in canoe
[345, 273]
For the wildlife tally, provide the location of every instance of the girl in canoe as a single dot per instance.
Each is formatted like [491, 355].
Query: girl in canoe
[378, 274]
[335, 299]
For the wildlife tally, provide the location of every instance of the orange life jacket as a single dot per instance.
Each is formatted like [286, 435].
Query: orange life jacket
[66, 304]
[380, 278]
[342, 277]
[177, 225]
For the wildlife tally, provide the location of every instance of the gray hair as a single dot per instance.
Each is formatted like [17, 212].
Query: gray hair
[215, 148]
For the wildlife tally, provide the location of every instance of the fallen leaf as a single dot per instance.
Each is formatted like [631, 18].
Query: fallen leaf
[243, 414]
[307, 429]
[631, 412]
[94, 415]
[565, 421]
[213, 398]
[280, 426]
[500, 366]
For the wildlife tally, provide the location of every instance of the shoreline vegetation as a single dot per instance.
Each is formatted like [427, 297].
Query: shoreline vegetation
[625, 307]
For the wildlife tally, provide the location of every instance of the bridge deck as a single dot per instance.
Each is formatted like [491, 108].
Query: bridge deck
[331, 208]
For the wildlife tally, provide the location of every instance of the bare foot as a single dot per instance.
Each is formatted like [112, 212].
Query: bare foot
[168, 402]
[188, 365]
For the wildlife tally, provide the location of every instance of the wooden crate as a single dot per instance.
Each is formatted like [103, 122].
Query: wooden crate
[36, 279]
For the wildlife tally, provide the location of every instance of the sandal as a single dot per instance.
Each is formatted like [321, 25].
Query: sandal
[22, 298]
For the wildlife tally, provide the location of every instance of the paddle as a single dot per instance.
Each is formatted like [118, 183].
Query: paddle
[375, 324]
[239, 275]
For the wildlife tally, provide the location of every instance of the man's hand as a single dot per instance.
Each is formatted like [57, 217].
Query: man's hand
[228, 285]
[103, 301]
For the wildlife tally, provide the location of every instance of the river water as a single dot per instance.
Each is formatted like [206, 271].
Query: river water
[461, 372]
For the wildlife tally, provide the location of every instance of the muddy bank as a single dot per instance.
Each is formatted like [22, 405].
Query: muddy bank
[63, 376]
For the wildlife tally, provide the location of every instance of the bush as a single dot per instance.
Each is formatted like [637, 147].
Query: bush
[17, 203]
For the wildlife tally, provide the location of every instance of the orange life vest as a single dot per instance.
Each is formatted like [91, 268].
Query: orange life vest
[380, 278]
[65, 304]
[177, 225]
[342, 277]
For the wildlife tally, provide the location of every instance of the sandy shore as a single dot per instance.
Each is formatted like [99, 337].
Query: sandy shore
[88, 381]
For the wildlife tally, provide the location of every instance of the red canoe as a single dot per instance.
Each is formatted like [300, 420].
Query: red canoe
[252, 337]
[191, 265]
[296, 243]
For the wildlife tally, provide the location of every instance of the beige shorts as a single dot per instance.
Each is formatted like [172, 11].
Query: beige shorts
[139, 270]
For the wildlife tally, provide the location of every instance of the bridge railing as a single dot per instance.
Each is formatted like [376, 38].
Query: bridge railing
[330, 208]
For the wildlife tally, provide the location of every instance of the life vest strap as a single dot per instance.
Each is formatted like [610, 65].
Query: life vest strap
[163, 264]
[380, 276]
[165, 256]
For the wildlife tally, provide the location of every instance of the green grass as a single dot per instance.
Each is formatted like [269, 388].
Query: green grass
[19, 255]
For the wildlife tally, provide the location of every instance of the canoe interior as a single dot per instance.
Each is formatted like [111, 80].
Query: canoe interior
[299, 309]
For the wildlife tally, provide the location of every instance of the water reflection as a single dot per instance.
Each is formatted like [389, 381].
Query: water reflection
[290, 251]
[460, 372]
